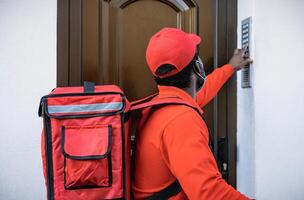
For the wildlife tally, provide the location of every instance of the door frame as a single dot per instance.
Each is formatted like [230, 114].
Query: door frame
[225, 43]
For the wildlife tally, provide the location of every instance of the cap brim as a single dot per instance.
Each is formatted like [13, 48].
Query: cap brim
[195, 38]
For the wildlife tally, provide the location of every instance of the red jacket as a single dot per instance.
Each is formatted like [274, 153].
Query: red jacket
[173, 143]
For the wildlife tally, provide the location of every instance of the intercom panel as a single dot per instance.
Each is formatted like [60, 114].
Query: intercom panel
[246, 43]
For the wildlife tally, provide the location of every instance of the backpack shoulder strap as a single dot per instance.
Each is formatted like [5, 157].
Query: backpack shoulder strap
[166, 193]
[145, 103]
[145, 99]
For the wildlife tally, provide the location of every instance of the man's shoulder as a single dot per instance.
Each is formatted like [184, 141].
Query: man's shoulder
[176, 109]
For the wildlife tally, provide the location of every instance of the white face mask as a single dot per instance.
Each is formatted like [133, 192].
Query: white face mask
[200, 72]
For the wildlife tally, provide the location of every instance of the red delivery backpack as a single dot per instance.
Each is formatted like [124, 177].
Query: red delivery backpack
[86, 142]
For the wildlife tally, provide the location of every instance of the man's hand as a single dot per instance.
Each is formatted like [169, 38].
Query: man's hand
[240, 59]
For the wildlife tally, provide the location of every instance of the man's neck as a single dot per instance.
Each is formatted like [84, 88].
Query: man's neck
[191, 91]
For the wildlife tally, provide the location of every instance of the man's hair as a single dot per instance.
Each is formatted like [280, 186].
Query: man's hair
[181, 79]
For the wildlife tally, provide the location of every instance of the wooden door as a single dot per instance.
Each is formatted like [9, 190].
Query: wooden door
[104, 41]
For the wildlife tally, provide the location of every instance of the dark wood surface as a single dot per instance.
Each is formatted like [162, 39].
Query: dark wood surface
[105, 42]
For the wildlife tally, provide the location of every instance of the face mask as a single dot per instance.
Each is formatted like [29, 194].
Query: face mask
[200, 72]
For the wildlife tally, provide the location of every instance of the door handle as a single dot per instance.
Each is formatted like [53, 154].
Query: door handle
[223, 157]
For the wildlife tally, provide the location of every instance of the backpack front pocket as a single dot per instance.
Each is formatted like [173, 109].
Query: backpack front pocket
[87, 156]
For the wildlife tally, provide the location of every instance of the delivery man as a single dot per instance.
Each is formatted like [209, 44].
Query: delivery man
[173, 160]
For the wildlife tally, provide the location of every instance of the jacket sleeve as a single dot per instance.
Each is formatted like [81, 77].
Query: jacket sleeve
[213, 84]
[185, 150]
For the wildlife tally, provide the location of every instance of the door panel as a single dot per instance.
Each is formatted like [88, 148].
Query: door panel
[129, 35]
[206, 49]
[75, 42]
[104, 41]
[116, 34]
[91, 40]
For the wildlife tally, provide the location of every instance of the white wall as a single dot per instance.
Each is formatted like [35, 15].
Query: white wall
[270, 115]
[27, 71]
[245, 118]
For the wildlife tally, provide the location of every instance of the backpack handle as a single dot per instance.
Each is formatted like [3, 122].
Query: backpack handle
[88, 87]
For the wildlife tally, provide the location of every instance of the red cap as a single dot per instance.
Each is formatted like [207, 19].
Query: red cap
[171, 46]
